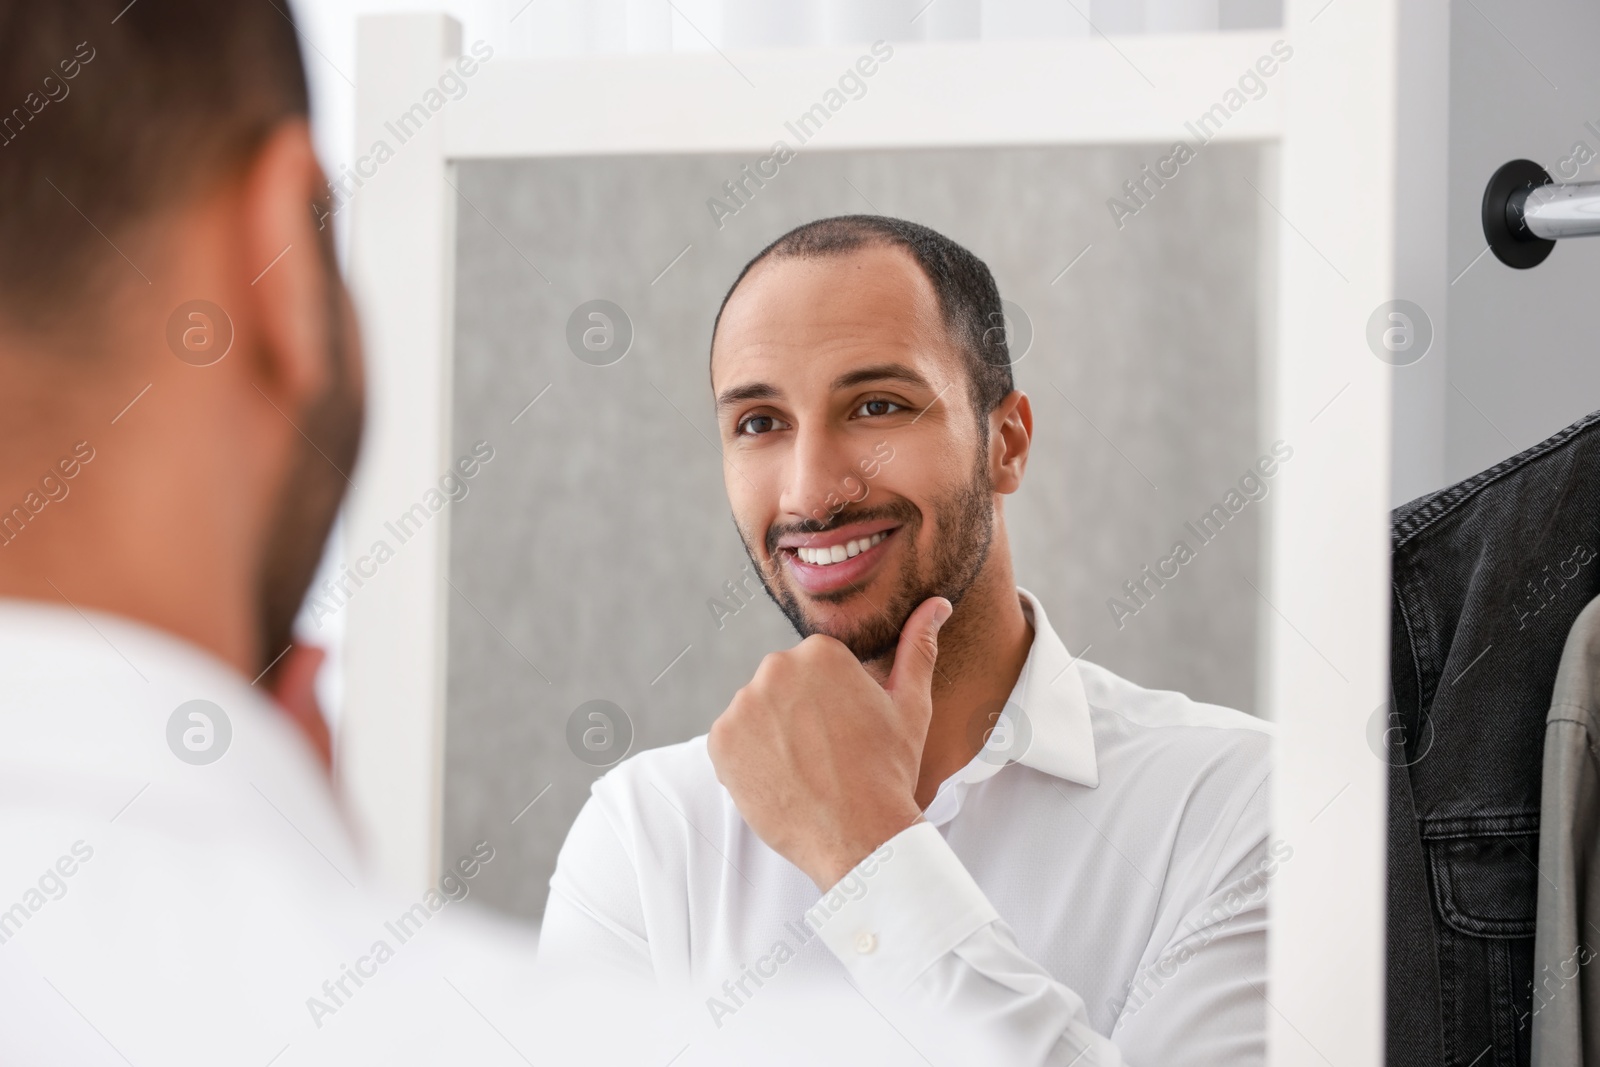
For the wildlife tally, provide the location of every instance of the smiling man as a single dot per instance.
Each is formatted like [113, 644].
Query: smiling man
[1044, 855]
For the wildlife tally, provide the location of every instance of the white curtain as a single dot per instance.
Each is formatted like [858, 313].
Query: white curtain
[578, 27]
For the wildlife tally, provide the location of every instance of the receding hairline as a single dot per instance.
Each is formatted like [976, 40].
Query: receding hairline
[759, 265]
[965, 292]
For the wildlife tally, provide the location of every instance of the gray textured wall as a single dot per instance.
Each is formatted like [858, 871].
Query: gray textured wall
[583, 559]
[1520, 347]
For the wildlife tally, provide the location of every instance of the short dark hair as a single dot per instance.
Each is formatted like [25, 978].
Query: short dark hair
[111, 112]
[968, 298]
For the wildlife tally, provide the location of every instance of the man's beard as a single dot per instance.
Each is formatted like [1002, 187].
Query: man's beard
[327, 445]
[963, 531]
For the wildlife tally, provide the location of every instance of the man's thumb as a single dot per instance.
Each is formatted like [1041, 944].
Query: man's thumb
[918, 649]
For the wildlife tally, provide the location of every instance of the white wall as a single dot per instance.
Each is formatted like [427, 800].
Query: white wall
[1522, 363]
[1422, 261]
[1513, 359]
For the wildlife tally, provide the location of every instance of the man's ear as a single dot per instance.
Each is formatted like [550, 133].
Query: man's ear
[286, 257]
[1010, 437]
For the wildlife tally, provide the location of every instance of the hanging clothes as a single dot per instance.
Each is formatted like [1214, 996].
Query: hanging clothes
[1488, 576]
[1566, 993]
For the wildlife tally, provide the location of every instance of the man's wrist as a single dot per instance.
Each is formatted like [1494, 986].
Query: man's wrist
[908, 904]
[830, 869]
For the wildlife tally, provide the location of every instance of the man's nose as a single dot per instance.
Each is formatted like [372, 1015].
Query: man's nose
[820, 478]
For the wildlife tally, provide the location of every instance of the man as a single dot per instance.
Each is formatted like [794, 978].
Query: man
[1088, 883]
[180, 406]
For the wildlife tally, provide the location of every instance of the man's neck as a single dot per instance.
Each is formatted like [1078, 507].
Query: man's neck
[124, 584]
[982, 649]
[116, 539]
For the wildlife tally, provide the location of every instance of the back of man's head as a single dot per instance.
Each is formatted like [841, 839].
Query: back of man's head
[169, 307]
[110, 113]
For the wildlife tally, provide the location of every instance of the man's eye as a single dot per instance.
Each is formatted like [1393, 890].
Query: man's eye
[756, 425]
[873, 408]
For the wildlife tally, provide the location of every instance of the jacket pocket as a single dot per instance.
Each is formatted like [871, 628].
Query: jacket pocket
[1487, 884]
[1485, 887]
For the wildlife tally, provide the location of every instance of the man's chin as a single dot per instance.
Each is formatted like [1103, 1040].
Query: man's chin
[850, 616]
[868, 640]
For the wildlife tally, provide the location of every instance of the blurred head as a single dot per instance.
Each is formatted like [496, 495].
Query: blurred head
[153, 156]
[869, 423]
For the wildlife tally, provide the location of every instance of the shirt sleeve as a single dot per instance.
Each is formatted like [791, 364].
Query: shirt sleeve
[915, 932]
[593, 921]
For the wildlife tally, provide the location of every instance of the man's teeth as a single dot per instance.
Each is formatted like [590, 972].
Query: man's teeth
[838, 553]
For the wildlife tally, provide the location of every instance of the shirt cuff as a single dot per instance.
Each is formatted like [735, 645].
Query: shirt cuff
[901, 909]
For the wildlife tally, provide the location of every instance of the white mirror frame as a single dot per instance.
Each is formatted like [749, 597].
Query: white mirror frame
[1333, 113]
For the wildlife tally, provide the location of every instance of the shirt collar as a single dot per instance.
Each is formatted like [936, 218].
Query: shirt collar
[1045, 724]
[1050, 696]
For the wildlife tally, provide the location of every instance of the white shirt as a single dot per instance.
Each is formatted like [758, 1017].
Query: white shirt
[1098, 897]
[159, 911]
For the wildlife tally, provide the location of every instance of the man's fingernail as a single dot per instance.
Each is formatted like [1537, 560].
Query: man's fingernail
[942, 612]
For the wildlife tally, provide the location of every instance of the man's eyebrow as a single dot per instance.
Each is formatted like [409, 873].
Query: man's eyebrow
[741, 393]
[879, 372]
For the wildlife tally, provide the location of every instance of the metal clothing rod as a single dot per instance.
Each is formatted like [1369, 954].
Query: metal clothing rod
[1525, 212]
[1557, 211]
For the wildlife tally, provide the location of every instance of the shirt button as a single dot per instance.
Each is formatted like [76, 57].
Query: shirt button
[866, 942]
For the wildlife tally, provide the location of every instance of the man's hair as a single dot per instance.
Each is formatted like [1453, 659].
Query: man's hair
[968, 298]
[112, 112]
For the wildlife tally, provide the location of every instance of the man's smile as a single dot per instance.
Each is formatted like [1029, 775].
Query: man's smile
[838, 553]
[826, 562]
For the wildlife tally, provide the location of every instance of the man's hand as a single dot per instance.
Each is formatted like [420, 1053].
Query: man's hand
[820, 759]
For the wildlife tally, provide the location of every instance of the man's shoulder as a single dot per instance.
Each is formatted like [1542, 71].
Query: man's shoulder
[679, 775]
[682, 763]
[1200, 770]
[1163, 709]
[1168, 728]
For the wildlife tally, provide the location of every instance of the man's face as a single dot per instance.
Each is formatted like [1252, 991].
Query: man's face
[855, 464]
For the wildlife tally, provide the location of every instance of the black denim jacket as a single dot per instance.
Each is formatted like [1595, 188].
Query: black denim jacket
[1488, 576]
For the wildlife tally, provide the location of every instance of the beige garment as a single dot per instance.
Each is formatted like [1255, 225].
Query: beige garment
[1566, 987]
